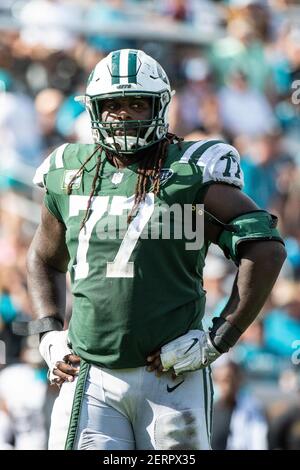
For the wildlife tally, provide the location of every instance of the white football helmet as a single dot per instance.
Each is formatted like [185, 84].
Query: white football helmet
[125, 73]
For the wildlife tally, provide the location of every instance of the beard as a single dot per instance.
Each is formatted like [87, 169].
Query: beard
[129, 131]
[126, 128]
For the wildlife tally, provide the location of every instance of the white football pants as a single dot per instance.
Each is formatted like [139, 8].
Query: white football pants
[131, 409]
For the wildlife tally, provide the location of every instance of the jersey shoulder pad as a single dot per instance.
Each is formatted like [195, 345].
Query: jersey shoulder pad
[52, 162]
[65, 157]
[219, 161]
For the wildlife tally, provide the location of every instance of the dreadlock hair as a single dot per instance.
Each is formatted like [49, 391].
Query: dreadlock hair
[148, 174]
[79, 172]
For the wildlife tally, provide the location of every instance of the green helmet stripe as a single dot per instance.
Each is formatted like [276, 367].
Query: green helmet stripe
[115, 68]
[132, 59]
[91, 77]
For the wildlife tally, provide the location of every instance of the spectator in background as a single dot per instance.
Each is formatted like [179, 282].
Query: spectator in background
[69, 110]
[258, 14]
[257, 361]
[244, 110]
[177, 10]
[286, 63]
[13, 300]
[22, 406]
[241, 47]
[189, 108]
[238, 420]
[284, 432]
[216, 275]
[50, 24]
[8, 313]
[102, 15]
[20, 139]
[82, 129]
[291, 224]
[47, 104]
[215, 272]
[282, 323]
[268, 169]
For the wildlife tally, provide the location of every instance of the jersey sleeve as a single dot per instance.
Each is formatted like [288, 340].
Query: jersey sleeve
[41, 172]
[42, 176]
[52, 206]
[221, 163]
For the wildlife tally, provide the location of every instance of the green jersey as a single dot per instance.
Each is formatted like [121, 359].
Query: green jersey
[134, 288]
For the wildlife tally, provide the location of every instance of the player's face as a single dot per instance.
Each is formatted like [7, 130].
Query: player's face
[126, 109]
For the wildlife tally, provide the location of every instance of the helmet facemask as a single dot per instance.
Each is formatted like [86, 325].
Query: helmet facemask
[147, 132]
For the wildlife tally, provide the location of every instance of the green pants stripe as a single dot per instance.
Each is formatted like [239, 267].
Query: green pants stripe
[205, 399]
[77, 404]
[211, 401]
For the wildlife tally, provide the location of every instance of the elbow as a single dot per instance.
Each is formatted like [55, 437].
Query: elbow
[276, 254]
[32, 260]
[274, 259]
[271, 253]
[281, 253]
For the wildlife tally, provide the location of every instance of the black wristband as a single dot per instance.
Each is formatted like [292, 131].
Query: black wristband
[33, 327]
[223, 334]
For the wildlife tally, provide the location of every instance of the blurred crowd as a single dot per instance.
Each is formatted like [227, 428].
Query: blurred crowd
[241, 84]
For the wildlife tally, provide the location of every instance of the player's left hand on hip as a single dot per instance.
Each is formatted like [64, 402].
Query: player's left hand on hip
[154, 363]
[189, 352]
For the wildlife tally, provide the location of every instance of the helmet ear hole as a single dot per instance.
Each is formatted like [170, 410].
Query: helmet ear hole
[156, 107]
[97, 106]
[96, 135]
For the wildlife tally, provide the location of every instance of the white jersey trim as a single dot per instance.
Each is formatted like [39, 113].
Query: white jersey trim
[59, 163]
[43, 169]
[214, 163]
[192, 149]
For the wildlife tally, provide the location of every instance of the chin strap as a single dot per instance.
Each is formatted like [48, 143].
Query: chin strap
[119, 141]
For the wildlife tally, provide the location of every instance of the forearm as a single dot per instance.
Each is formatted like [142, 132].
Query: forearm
[258, 271]
[46, 286]
[259, 268]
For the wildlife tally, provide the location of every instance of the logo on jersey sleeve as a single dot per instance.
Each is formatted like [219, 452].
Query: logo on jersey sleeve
[165, 175]
[68, 175]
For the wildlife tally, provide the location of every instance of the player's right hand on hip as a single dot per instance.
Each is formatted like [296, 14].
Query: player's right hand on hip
[63, 364]
[67, 369]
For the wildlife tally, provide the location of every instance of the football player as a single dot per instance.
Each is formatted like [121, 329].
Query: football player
[138, 300]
